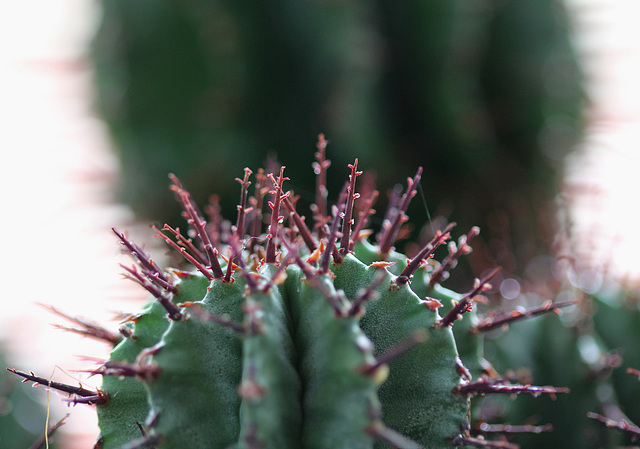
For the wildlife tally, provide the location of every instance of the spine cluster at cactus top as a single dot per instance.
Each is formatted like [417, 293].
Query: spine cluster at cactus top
[284, 334]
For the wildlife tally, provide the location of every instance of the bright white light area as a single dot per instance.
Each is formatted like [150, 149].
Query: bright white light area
[603, 176]
[57, 209]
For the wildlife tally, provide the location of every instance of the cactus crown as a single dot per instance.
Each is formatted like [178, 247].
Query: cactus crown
[303, 336]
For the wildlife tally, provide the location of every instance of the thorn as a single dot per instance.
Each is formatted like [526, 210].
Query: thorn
[279, 277]
[462, 440]
[389, 235]
[86, 358]
[494, 322]
[186, 243]
[432, 303]
[347, 220]
[390, 214]
[320, 169]
[464, 304]
[455, 252]
[413, 340]
[195, 220]
[425, 253]
[634, 372]
[233, 255]
[100, 334]
[99, 397]
[293, 252]
[249, 388]
[257, 202]
[242, 207]
[88, 400]
[508, 428]
[251, 440]
[187, 255]
[337, 300]
[363, 219]
[142, 371]
[148, 442]
[316, 255]
[383, 264]
[248, 276]
[381, 432]
[196, 309]
[143, 432]
[485, 386]
[331, 249]
[171, 308]
[214, 226]
[303, 229]
[144, 260]
[275, 215]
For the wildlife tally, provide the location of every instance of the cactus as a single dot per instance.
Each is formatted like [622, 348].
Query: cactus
[300, 336]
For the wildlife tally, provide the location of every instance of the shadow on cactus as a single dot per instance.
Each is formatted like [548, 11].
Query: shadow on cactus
[286, 334]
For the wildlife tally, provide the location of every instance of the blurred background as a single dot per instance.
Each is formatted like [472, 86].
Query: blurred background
[524, 115]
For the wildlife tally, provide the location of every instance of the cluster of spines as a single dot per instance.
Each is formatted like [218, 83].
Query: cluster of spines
[623, 425]
[322, 249]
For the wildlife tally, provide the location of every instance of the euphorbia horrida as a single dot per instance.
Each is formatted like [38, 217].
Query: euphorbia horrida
[290, 335]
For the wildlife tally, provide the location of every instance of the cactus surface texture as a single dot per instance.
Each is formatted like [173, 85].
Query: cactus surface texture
[285, 333]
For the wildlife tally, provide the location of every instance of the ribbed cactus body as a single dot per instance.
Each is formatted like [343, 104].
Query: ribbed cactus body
[426, 376]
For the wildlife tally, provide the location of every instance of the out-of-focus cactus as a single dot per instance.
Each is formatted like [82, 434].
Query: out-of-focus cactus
[616, 320]
[551, 349]
[186, 87]
[592, 349]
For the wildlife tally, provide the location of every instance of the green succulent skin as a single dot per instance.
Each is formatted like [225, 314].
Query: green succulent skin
[426, 375]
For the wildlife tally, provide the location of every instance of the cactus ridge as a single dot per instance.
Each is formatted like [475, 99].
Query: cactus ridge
[304, 336]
